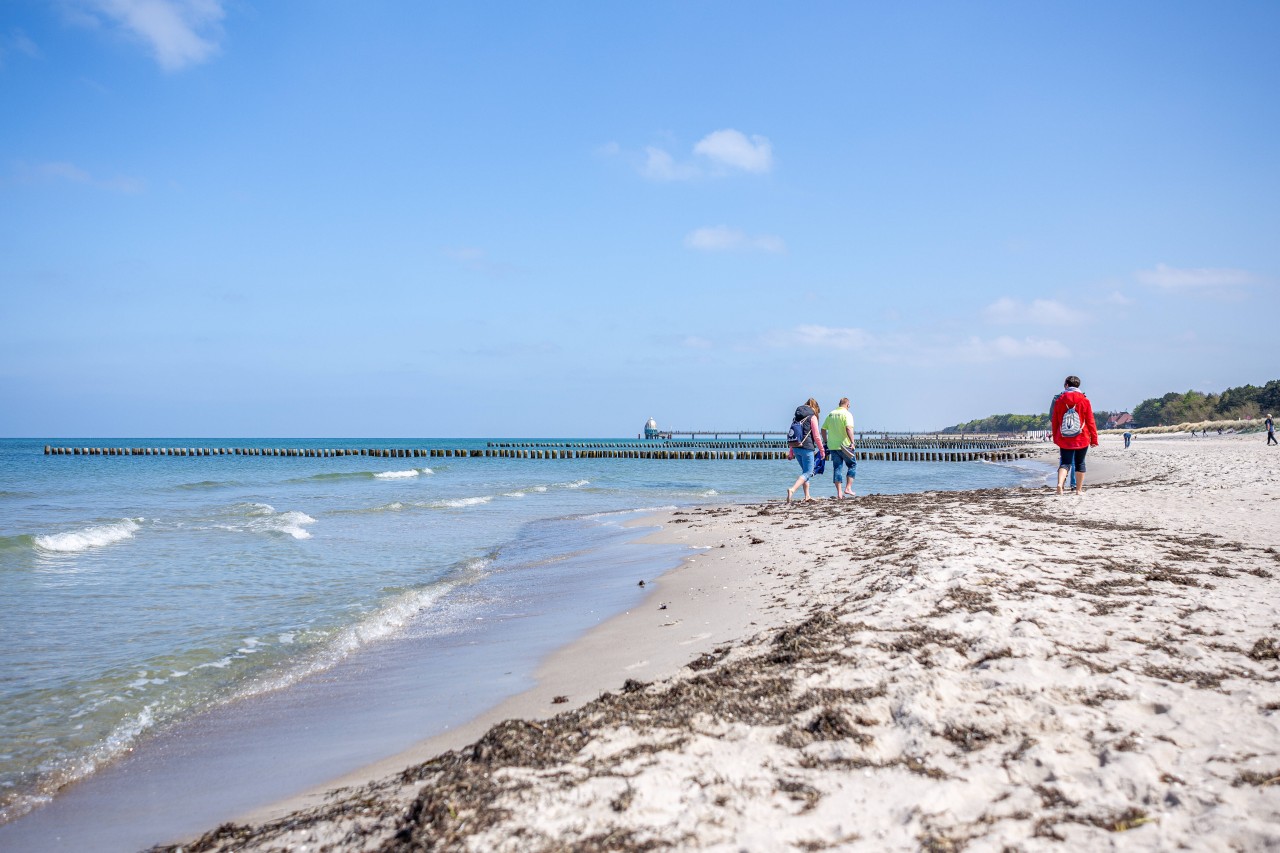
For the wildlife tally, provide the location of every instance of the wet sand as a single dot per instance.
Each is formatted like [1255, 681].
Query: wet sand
[1002, 668]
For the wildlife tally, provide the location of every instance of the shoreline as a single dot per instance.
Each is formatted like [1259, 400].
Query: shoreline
[696, 611]
[1002, 665]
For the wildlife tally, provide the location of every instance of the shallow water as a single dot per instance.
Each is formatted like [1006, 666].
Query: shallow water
[148, 601]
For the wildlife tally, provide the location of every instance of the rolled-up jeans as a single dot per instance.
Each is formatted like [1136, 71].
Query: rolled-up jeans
[838, 462]
[805, 458]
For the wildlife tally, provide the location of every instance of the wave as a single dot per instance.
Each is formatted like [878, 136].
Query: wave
[17, 543]
[399, 475]
[457, 503]
[89, 537]
[15, 804]
[362, 475]
[263, 518]
[208, 484]
[386, 622]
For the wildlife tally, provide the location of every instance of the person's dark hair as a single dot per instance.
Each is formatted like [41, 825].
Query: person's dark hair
[1073, 382]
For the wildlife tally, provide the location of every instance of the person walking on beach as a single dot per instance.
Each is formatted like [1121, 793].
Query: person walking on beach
[1271, 431]
[837, 438]
[1074, 431]
[802, 444]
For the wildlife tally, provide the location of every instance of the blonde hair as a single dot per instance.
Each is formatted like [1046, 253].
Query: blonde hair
[813, 404]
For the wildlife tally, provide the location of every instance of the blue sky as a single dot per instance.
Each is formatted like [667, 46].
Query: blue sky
[238, 218]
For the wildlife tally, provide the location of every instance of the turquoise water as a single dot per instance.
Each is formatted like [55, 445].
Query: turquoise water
[140, 594]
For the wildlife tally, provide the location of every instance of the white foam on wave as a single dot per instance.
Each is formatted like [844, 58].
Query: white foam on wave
[69, 769]
[457, 503]
[263, 518]
[385, 623]
[89, 537]
[402, 475]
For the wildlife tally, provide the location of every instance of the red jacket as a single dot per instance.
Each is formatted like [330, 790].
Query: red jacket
[1088, 436]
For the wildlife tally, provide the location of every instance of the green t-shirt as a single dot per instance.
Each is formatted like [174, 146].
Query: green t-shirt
[835, 425]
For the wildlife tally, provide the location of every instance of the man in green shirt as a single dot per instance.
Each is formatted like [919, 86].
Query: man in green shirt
[837, 436]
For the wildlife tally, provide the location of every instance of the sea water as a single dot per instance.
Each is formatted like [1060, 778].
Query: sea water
[149, 602]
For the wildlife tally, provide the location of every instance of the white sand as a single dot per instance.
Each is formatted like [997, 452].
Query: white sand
[988, 670]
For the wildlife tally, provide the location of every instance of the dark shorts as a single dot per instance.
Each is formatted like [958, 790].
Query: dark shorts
[1067, 457]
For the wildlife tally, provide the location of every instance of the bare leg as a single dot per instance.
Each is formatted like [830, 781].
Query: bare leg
[848, 487]
[800, 481]
[1062, 479]
[1079, 482]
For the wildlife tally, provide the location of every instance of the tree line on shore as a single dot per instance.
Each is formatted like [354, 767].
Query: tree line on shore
[1241, 403]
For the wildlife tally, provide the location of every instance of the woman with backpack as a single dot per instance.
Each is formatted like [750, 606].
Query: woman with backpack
[1074, 431]
[803, 446]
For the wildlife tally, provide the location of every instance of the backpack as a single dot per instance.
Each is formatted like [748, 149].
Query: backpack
[1071, 426]
[797, 433]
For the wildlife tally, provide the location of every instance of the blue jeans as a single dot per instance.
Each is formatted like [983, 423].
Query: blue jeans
[838, 463]
[805, 458]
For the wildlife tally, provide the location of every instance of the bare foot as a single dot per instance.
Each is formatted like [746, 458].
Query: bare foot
[789, 491]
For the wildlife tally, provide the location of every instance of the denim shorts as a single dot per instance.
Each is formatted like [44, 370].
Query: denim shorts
[805, 458]
[1067, 457]
[838, 463]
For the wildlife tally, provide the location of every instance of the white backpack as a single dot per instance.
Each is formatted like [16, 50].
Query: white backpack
[1071, 426]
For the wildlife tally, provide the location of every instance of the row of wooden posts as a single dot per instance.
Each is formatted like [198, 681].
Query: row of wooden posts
[945, 442]
[920, 455]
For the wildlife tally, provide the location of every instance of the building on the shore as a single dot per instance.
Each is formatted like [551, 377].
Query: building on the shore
[651, 429]
[1118, 420]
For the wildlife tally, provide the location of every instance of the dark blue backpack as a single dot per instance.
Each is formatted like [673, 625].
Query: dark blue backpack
[798, 432]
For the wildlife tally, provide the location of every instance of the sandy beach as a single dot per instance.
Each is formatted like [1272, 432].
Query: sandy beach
[1000, 669]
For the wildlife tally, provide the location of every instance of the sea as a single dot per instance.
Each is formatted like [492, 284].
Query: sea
[189, 638]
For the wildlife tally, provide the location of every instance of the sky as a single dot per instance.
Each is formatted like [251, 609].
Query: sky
[385, 219]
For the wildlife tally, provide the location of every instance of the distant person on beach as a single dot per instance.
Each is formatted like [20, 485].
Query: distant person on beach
[837, 437]
[1271, 431]
[1128, 437]
[1074, 431]
[803, 446]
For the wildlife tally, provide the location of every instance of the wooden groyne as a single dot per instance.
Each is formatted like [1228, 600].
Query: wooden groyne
[868, 451]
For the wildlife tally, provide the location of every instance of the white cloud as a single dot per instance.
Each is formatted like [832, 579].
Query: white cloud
[908, 348]
[17, 42]
[178, 32]
[827, 337]
[477, 260]
[1046, 312]
[1004, 347]
[722, 238]
[1201, 278]
[661, 166]
[732, 148]
[63, 171]
[717, 153]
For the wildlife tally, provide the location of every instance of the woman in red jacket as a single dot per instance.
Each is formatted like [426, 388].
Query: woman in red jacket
[1074, 431]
